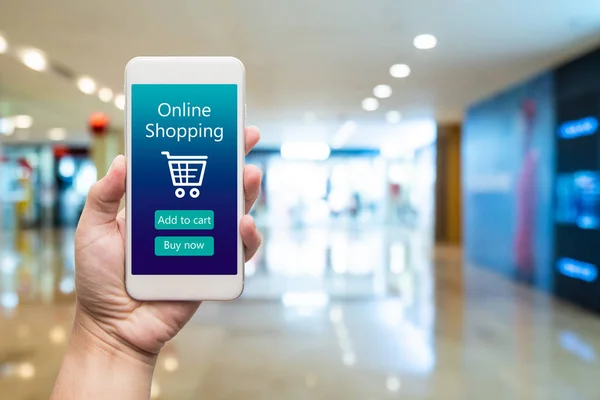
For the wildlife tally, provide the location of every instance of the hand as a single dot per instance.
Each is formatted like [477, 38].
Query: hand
[104, 308]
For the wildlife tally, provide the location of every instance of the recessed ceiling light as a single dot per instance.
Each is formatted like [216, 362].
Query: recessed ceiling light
[399, 70]
[86, 85]
[425, 42]
[23, 121]
[370, 104]
[120, 101]
[382, 91]
[57, 134]
[393, 117]
[3, 45]
[105, 95]
[34, 59]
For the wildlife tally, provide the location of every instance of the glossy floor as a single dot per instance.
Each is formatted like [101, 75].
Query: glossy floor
[327, 314]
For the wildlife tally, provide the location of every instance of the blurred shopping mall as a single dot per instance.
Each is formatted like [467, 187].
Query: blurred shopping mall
[430, 204]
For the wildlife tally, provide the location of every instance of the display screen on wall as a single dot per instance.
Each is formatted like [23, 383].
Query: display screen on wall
[578, 199]
[507, 163]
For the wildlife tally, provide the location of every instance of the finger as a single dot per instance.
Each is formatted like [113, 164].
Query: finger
[252, 137]
[105, 196]
[250, 236]
[252, 177]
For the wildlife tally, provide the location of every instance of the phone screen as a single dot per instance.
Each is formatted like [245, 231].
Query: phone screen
[184, 179]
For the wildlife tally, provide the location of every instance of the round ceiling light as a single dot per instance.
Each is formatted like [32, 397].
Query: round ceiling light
[120, 101]
[57, 134]
[382, 91]
[399, 70]
[370, 104]
[105, 95]
[34, 59]
[3, 45]
[23, 121]
[425, 42]
[86, 85]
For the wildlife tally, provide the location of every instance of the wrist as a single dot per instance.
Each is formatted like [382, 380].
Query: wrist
[98, 366]
[89, 333]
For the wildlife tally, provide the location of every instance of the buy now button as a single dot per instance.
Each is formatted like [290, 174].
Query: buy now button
[184, 246]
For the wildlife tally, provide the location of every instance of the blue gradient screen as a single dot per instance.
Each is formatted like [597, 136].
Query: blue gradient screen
[184, 155]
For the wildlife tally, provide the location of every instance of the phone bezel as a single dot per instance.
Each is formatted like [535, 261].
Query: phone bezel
[186, 70]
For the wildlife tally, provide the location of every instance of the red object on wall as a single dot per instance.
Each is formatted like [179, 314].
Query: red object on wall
[98, 124]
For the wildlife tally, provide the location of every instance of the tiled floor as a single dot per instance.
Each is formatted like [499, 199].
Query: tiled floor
[327, 315]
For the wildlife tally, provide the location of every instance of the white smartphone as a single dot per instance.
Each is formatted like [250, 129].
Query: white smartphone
[185, 119]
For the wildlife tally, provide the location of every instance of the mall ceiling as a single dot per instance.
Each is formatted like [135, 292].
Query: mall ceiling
[309, 63]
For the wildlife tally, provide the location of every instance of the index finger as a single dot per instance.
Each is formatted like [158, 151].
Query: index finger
[252, 137]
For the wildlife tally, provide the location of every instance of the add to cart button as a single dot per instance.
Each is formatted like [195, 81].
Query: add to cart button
[184, 219]
[184, 246]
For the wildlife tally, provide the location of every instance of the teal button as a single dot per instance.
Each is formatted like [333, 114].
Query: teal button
[173, 246]
[184, 219]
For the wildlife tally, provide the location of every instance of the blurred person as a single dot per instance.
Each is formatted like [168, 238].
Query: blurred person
[115, 339]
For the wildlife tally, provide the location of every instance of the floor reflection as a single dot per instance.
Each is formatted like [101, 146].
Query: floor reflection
[327, 314]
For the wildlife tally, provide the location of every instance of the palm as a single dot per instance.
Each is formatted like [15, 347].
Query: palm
[101, 291]
[100, 264]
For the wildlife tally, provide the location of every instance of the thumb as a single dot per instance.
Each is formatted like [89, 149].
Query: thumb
[104, 197]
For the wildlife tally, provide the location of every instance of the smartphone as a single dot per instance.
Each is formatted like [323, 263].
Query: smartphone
[185, 119]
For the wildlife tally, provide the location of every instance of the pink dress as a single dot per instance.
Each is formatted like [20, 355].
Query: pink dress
[526, 192]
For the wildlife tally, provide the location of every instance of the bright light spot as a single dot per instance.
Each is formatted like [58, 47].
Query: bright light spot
[349, 359]
[3, 45]
[86, 177]
[23, 121]
[120, 101]
[342, 136]
[370, 104]
[7, 126]
[312, 151]
[9, 300]
[398, 173]
[393, 117]
[336, 314]
[397, 258]
[86, 85]
[26, 370]
[393, 384]
[425, 42]
[399, 70]
[154, 390]
[58, 335]
[171, 364]
[66, 167]
[9, 263]
[382, 91]
[34, 59]
[57, 134]
[105, 95]
[67, 285]
[305, 299]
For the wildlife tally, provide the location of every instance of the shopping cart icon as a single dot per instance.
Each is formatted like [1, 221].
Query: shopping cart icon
[186, 171]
